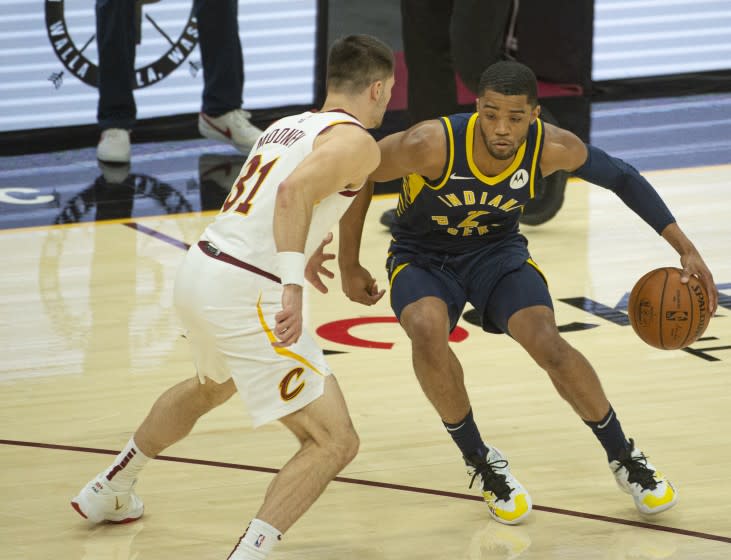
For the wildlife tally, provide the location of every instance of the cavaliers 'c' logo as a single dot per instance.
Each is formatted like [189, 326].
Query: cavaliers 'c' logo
[285, 391]
[71, 53]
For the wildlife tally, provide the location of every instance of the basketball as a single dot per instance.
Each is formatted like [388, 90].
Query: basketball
[665, 313]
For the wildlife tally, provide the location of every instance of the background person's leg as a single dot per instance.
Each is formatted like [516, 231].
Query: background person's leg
[221, 55]
[432, 91]
[116, 39]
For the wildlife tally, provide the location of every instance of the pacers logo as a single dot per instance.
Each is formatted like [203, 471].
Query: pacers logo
[519, 179]
[285, 391]
[70, 41]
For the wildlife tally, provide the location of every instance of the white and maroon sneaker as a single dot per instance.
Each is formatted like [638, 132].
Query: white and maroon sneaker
[233, 128]
[98, 502]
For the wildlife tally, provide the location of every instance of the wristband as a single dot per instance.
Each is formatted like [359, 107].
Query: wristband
[292, 267]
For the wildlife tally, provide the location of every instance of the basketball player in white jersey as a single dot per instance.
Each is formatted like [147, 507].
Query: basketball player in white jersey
[239, 295]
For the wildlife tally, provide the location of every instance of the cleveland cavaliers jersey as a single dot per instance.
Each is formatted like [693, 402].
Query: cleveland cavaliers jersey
[244, 227]
[464, 209]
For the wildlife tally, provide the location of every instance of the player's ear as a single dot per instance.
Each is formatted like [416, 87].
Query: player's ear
[377, 90]
[535, 113]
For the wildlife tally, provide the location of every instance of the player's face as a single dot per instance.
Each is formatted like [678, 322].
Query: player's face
[382, 101]
[504, 122]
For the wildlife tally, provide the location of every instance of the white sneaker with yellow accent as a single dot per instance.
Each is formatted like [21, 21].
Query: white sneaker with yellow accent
[98, 502]
[635, 475]
[507, 500]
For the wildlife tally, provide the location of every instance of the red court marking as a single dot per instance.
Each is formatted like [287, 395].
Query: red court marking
[386, 485]
[339, 332]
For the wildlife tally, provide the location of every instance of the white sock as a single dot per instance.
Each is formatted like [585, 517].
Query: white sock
[257, 542]
[126, 466]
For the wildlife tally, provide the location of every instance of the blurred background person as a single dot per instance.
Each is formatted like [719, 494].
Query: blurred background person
[118, 31]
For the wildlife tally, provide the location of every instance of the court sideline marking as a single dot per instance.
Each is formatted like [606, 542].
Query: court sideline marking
[385, 485]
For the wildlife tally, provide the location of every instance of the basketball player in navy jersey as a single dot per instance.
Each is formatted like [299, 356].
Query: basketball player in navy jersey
[456, 240]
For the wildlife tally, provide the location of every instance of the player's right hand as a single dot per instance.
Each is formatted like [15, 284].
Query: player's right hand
[316, 266]
[288, 326]
[693, 264]
[360, 286]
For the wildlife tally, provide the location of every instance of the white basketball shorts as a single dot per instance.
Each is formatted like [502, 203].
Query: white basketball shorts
[228, 314]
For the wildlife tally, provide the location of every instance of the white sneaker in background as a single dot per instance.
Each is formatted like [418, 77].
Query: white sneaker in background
[114, 146]
[220, 170]
[233, 128]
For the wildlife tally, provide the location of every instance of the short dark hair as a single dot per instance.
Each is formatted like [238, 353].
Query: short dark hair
[356, 61]
[509, 78]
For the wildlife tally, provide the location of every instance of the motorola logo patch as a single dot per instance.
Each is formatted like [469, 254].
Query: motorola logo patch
[519, 179]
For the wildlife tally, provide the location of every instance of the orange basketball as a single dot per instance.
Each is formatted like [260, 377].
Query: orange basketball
[665, 313]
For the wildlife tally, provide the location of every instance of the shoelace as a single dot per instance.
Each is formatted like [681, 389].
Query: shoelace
[492, 481]
[639, 472]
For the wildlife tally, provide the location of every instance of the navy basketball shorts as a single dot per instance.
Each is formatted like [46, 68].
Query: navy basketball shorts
[497, 280]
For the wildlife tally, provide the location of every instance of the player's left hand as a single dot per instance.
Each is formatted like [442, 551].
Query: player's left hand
[693, 265]
[288, 327]
[315, 266]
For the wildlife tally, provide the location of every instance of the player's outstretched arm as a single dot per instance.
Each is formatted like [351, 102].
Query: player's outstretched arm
[342, 157]
[420, 149]
[564, 150]
[357, 282]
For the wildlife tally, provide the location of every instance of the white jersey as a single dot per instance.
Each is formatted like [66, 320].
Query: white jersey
[244, 227]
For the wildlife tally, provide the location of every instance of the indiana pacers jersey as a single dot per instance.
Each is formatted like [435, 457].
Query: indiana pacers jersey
[244, 227]
[463, 209]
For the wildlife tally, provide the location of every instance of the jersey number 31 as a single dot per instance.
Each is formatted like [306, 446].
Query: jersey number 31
[240, 187]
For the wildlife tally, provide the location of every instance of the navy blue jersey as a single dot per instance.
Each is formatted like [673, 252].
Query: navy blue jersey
[463, 209]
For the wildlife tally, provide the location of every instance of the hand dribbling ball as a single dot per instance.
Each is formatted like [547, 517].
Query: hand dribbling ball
[664, 312]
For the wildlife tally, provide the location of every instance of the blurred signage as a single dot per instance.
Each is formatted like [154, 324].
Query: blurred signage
[49, 71]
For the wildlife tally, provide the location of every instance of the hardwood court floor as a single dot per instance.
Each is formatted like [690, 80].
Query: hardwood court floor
[90, 340]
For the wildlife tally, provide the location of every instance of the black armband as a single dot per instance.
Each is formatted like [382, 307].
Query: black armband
[625, 181]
